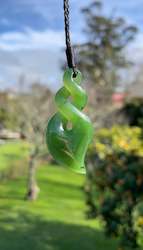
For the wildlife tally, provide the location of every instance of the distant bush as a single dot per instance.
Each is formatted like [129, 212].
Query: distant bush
[8, 119]
[115, 168]
[138, 221]
[134, 112]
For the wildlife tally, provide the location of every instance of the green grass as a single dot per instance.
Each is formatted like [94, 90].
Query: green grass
[55, 221]
[12, 152]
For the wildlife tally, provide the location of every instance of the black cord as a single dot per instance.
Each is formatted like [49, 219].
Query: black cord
[69, 49]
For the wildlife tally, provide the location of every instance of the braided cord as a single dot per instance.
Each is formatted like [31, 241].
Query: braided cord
[69, 49]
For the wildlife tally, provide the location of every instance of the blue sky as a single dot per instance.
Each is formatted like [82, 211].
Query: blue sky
[31, 27]
[20, 17]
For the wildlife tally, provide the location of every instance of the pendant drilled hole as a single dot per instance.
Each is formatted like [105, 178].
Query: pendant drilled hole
[75, 73]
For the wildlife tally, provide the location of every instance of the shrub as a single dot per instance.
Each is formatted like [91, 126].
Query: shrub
[138, 221]
[134, 112]
[115, 168]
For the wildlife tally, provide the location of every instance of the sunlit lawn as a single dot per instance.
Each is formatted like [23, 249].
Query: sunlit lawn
[55, 221]
[12, 152]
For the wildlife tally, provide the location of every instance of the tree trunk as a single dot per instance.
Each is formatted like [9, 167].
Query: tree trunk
[33, 188]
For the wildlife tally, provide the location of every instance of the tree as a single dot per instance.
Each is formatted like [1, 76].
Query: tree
[103, 56]
[33, 110]
[8, 118]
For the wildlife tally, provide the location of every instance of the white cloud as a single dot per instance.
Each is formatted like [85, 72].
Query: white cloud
[135, 50]
[34, 65]
[29, 52]
[31, 40]
[36, 54]
[35, 40]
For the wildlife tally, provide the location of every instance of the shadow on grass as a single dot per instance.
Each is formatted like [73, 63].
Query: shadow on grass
[25, 232]
[54, 188]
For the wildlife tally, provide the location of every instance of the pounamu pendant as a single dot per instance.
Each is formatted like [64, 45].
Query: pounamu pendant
[68, 146]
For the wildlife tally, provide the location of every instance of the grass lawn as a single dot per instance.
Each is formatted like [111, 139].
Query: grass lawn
[55, 221]
[12, 152]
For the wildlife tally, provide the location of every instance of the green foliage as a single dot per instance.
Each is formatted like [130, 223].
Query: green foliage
[116, 157]
[7, 118]
[134, 112]
[138, 221]
[3, 116]
[102, 57]
[118, 139]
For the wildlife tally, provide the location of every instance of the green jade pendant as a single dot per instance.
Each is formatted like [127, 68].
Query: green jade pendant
[68, 146]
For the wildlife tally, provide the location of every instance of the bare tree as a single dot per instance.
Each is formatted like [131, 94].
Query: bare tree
[34, 108]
